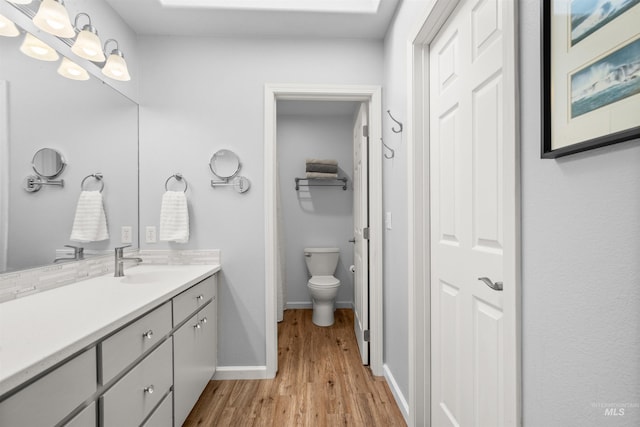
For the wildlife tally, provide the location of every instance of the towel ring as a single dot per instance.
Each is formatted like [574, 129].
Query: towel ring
[178, 177]
[97, 177]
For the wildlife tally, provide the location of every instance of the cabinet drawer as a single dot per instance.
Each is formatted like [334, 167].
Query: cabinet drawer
[192, 299]
[132, 398]
[86, 418]
[122, 348]
[51, 398]
[163, 416]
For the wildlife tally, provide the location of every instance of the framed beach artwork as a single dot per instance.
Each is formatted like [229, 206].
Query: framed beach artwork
[590, 74]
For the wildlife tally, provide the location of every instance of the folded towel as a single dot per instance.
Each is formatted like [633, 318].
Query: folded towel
[320, 167]
[320, 175]
[174, 217]
[90, 222]
[322, 161]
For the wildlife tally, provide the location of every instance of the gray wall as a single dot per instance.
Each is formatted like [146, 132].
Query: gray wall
[312, 216]
[199, 95]
[581, 269]
[395, 98]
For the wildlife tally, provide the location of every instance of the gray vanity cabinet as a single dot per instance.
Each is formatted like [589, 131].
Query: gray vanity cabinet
[86, 418]
[135, 396]
[149, 372]
[50, 399]
[194, 346]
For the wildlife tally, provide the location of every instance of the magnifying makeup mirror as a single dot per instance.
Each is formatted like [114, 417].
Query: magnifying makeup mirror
[226, 165]
[48, 163]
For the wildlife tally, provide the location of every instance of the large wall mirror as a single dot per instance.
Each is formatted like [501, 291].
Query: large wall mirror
[93, 126]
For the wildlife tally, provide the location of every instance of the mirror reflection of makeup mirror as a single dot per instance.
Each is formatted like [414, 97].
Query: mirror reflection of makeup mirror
[48, 163]
[225, 164]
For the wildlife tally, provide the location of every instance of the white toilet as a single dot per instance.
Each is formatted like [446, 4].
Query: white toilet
[323, 286]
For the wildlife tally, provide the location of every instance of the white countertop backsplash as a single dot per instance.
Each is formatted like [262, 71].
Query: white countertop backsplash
[45, 328]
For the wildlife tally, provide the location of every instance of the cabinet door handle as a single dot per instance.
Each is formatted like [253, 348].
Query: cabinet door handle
[197, 325]
[148, 335]
[149, 389]
[204, 320]
[200, 297]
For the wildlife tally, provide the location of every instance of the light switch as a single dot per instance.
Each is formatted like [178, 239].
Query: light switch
[387, 220]
[126, 234]
[150, 234]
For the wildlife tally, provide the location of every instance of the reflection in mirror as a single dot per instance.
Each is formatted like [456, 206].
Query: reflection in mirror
[48, 163]
[225, 164]
[95, 127]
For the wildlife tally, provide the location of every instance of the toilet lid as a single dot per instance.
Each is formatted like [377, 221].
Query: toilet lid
[324, 281]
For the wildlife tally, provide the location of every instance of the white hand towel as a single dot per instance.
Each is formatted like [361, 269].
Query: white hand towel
[90, 222]
[174, 217]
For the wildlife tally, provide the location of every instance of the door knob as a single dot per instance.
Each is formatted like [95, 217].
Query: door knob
[495, 286]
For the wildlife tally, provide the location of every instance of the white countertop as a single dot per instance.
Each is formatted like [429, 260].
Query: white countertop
[38, 331]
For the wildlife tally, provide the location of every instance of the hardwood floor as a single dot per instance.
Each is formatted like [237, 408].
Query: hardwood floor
[320, 382]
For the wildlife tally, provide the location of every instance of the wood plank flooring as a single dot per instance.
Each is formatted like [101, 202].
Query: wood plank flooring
[320, 382]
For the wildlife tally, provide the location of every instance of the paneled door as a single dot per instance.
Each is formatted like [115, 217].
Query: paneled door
[360, 224]
[472, 138]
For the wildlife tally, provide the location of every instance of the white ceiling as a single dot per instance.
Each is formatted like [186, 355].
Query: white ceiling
[149, 17]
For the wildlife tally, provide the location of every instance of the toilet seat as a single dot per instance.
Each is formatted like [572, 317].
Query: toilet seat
[324, 281]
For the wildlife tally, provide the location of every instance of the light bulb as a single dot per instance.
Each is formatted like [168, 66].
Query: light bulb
[36, 48]
[71, 70]
[88, 45]
[8, 28]
[116, 67]
[53, 18]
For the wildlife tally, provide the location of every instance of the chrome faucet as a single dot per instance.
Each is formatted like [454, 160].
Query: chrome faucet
[78, 254]
[119, 261]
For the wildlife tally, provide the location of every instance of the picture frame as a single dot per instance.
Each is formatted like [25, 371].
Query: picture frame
[590, 74]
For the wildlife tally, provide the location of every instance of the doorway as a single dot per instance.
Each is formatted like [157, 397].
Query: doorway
[371, 96]
[464, 124]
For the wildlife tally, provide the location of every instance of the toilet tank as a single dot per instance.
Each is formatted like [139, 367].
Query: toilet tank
[321, 261]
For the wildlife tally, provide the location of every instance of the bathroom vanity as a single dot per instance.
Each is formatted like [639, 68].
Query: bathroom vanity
[134, 350]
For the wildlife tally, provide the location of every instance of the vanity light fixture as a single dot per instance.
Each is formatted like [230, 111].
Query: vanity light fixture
[71, 70]
[115, 67]
[20, 1]
[36, 48]
[87, 44]
[53, 18]
[8, 28]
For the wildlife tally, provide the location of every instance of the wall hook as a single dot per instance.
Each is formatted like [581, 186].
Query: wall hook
[393, 153]
[399, 123]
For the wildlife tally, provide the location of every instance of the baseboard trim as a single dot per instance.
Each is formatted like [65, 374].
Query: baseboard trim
[397, 394]
[240, 373]
[308, 305]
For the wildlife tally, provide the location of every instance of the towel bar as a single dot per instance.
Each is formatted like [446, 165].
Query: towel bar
[309, 184]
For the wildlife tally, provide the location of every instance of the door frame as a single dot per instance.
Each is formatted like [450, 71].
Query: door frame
[4, 174]
[418, 181]
[310, 92]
